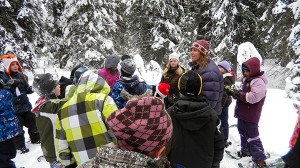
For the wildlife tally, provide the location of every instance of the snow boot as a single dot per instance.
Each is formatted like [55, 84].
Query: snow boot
[23, 149]
[259, 164]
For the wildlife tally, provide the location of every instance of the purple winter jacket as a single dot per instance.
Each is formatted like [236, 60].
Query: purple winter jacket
[252, 96]
[213, 85]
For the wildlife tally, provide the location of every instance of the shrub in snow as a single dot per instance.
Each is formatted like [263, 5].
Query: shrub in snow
[292, 87]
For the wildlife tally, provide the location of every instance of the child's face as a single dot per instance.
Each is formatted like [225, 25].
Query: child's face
[14, 67]
[222, 70]
[57, 90]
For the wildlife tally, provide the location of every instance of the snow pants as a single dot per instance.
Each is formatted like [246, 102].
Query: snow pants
[26, 119]
[224, 122]
[7, 152]
[250, 141]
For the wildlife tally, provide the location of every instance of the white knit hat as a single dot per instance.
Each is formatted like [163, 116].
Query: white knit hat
[174, 55]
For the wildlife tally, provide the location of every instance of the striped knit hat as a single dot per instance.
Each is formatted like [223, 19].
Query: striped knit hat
[143, 125]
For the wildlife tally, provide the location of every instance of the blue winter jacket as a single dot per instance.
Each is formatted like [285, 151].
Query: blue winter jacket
[128, 87]
[9, 124]
[21, 103]
[213, 85]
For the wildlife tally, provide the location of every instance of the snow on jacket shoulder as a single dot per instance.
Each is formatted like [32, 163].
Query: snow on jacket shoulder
[81, 125]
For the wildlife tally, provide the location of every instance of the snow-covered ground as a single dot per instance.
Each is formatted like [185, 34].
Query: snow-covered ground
[276, 127]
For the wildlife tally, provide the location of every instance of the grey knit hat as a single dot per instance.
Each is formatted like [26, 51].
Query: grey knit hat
[112, 61]
[128, 66]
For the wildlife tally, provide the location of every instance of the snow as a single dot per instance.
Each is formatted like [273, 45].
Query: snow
[280, 7]
[276, 124]
[246, 51]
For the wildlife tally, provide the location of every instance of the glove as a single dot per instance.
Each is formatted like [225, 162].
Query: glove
[236, 94]
[14, 82]
[232, 92]
[229, 91]
[29, 90]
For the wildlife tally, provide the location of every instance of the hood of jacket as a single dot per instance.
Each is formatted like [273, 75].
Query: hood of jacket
[133, 85]
[90, 81]
[253, 65]
[114, 157]
[192, 112]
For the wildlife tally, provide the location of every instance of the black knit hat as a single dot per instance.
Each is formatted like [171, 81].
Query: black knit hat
[190, 84]
[63, 82]
[44, 84]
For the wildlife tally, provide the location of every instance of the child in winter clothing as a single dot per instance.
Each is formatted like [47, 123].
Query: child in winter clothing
[77, 72]
[250, 100]
[21, 103]
[143, 129]
[171, 76]
[229, 80]
[45, 109]
[197, 140]
[80, 127]
[9, 128]
[292, 158]
[110, 72]
[129, 85]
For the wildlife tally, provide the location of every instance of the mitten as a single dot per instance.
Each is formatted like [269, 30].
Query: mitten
[229, 91]
[236, 94]
[29, 90]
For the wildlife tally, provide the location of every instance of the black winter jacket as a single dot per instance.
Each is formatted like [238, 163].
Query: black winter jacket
[21, 103]
[196, 141]
[292, 158]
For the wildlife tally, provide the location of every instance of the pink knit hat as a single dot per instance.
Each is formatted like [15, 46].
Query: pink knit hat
[202, 45]
[143, 125]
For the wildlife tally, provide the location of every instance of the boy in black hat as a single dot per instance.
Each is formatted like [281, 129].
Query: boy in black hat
[52, 95]
[197, 141]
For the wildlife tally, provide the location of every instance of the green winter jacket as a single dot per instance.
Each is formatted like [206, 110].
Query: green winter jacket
[45, 122]
[80, 126]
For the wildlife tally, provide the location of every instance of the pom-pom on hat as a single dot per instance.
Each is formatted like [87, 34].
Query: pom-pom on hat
[225, 65]
[202, 45]
[112, 61]
[190, 84]
[143, 125]
[128, 66]
[162, 89]
[174, 55]
[7, 60]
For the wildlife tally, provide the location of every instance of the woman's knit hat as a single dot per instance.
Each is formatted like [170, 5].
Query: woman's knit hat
[143, 125]
[174, 55]
[202, 45]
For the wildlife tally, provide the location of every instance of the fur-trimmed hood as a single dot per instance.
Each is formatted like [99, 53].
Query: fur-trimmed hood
[179, 71]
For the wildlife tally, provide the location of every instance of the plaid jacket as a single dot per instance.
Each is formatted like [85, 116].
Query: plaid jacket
[80, 127]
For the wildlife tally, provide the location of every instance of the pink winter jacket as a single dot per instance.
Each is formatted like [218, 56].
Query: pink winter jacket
[110, 79]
